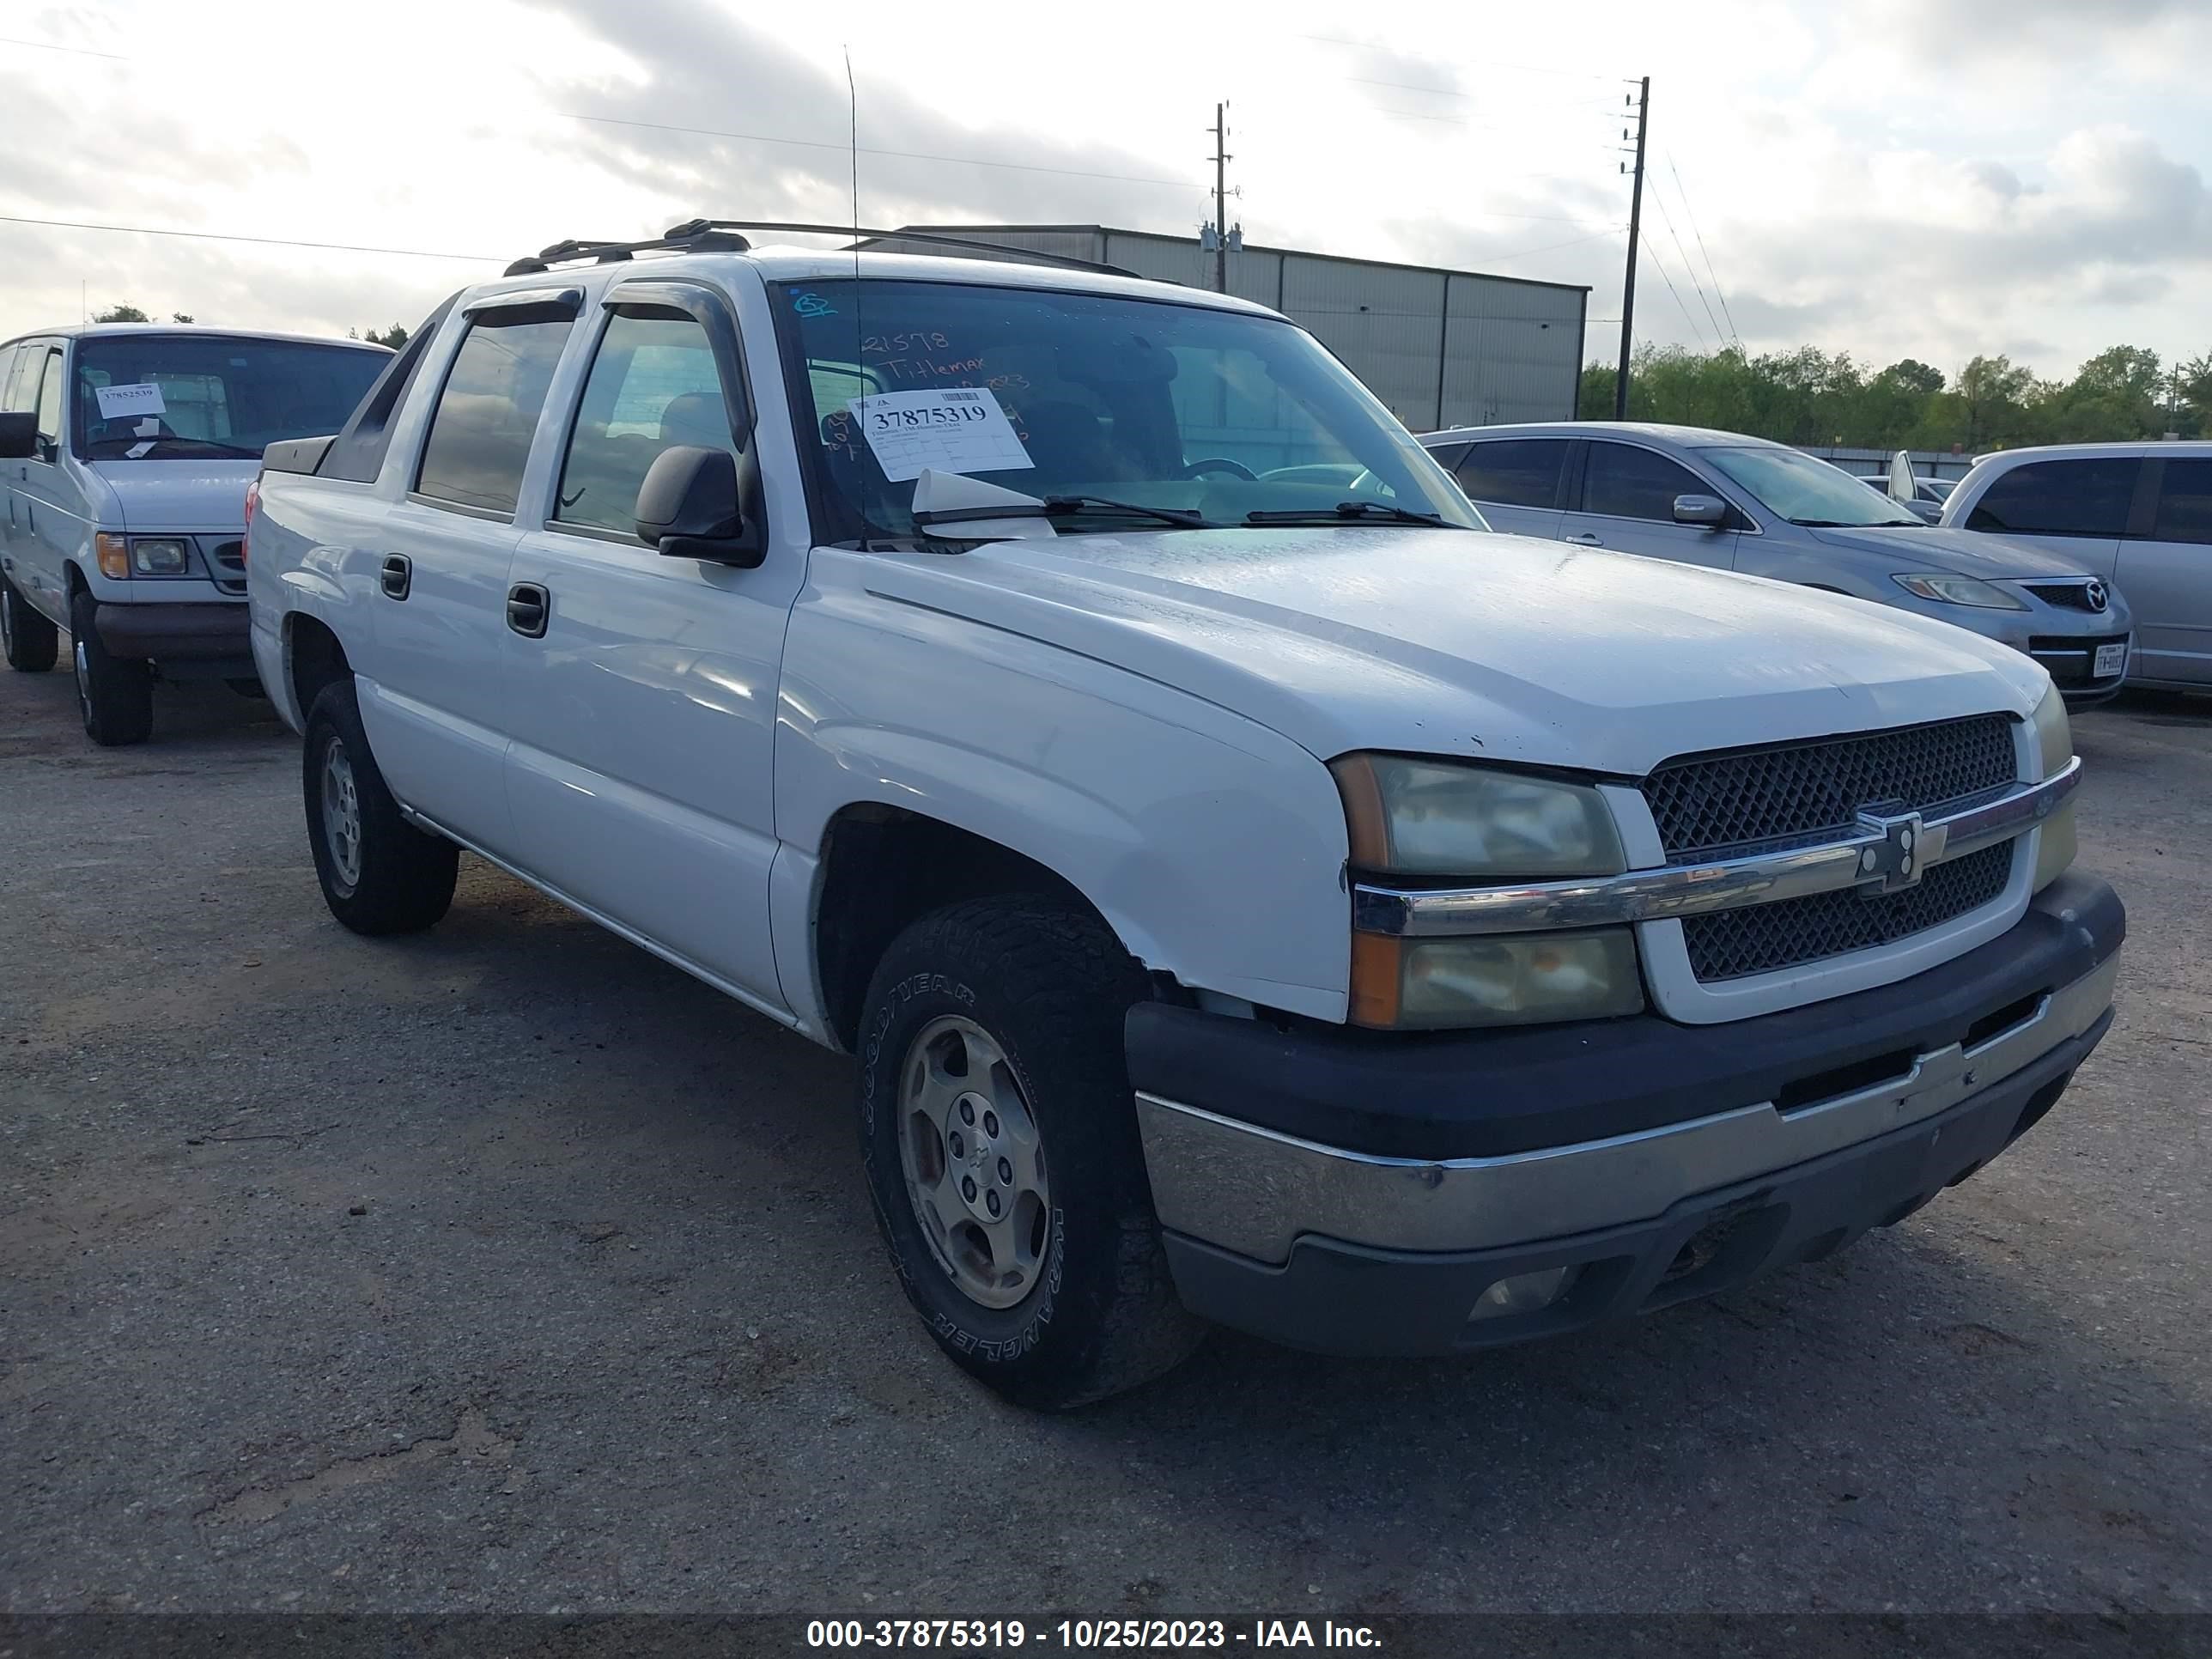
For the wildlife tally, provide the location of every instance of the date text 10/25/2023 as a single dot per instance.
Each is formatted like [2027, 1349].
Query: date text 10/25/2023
[1087, 1634]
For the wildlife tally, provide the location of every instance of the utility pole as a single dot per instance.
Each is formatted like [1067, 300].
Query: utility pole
[1221, 158]
[1635, 222]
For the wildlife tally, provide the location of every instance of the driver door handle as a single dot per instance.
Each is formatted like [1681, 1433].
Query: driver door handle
[397, 575]
[1585, 540]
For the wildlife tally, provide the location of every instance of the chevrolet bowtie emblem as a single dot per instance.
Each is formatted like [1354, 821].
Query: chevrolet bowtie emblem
[1907, 849]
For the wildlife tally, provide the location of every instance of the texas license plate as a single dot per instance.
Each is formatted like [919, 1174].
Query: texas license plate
[2110, 660]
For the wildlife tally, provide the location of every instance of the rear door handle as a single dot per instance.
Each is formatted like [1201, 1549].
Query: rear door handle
[397, 576]
[527, 607]
[1585, 540]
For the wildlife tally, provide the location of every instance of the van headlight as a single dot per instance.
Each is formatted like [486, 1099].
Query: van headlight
[1429, 820]
[2054, 741]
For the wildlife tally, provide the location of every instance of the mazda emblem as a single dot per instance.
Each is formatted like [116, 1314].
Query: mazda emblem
[2094, 592]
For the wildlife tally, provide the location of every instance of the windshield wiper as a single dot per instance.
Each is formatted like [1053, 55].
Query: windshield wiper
[1352, 512]
[227, 451]
[1852, 524]
[1069, 507]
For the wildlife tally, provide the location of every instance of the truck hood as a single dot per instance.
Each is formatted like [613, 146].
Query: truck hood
[1453, 642]
[1960, 552]
[155, 496]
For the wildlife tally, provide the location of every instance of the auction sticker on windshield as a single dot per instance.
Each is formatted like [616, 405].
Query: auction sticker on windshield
[946, 428]
[140, 397]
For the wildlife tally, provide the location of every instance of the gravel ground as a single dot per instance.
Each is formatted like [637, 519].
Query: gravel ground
[507, 1268]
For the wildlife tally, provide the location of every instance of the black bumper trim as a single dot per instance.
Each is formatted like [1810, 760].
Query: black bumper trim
[1334, 1297]
[177, 632]
[1485, 1094]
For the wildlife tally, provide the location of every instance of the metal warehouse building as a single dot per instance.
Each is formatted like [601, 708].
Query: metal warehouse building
[1441, 348]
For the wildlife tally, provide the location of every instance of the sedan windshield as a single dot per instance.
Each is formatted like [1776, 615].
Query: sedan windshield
[191, 397]
[1806, 491]
[1219, 415]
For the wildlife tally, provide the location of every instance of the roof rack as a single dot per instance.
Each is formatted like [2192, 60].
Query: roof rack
[723, 236]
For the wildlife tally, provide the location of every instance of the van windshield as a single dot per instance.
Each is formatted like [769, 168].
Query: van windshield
[1217, 414]
[180, 396]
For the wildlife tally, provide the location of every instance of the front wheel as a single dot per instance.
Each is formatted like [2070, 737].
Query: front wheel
[32, 642]
[380, 874]
[115, 695]
[1000, 1140]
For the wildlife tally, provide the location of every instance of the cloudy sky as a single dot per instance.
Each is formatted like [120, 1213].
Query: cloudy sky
[1931, 178]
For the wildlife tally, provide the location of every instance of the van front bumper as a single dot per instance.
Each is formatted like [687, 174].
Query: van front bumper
[210, 636]
[1359, 1192]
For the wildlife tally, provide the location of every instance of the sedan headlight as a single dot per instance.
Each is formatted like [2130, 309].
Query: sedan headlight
[2054, 742]
[1958, 590]
[1420, 817]
[1429, 820]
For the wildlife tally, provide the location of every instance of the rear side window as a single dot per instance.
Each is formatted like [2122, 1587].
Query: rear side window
[487, 413]
[357, 453]
[654, 385]
[2060, 498]
[1624, 482]
[2184, 503]
[19, 393]
[1518, 472]
[50, 399]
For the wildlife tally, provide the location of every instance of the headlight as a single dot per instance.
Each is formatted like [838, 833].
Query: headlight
[1430, 984]
[1439, 818]
[153, 556]
[2054, 742]
[1958, 590]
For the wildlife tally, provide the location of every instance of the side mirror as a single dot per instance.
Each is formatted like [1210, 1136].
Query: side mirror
[691, 507]
[19, 435]
[1709, 511]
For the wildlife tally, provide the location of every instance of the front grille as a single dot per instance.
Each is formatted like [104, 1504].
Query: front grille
[1759, 938]
[2069, 596]
[2070, 660]
[1710, 804]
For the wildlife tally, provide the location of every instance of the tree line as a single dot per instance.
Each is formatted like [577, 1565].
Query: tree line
[395, 337]
[1812, 396]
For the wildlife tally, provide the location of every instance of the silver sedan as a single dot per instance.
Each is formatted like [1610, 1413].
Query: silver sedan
[1719, 498]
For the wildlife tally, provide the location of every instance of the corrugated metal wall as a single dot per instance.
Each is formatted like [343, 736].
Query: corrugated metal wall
[1438, 347]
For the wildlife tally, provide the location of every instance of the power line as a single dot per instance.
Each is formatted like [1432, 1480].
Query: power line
[1660, 266]
[1524, 69]
[1718, 291]
[81, 52]
[901, 154]
[1688, 267]
[266, 241]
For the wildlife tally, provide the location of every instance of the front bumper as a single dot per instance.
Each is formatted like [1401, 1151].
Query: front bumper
[1356, 1193]
[210, 635]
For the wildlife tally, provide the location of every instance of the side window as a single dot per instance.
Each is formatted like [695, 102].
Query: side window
[2060, 498]
[2184, 503]
[1519, 473]
[1627, 482]
[654, 385]
[357, 453]
[11, 357]
[488, 411]
[50, 400]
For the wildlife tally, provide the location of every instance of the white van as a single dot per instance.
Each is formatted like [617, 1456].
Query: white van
[125, 454]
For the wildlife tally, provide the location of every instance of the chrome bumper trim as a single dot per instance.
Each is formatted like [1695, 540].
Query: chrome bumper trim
[1689, 890]
[1256, 1191]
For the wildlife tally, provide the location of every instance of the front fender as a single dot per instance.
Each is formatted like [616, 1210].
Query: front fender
[1213, 846]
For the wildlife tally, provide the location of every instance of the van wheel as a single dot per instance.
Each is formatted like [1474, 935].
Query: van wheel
[380, 874]
[115, 695]
[1001, 1141]
[32, 643]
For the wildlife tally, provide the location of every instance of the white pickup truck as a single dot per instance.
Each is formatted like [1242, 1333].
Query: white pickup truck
[1251, 890]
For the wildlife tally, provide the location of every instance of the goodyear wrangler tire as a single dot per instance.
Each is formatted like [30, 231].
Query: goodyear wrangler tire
[1001, 1140]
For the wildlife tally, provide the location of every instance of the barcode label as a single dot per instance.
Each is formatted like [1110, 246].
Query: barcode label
[952, 397]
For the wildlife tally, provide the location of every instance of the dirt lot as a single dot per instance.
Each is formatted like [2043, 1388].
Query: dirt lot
[508, 1268]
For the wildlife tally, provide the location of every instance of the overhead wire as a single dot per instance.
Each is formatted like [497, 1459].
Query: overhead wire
[1689, 267]
[266, 241]
[1720, 292]
[1660, 266]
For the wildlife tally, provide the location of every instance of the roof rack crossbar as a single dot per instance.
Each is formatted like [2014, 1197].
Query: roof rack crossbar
[723, 236]
[860, 236]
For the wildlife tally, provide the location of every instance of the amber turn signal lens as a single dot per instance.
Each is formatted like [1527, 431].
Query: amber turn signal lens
[114, 553]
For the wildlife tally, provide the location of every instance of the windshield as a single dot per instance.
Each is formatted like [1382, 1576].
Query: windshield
[1806, 491]
[176, 397]
[1154, 404]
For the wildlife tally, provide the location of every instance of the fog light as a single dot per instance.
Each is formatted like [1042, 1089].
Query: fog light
[1523, 1293]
